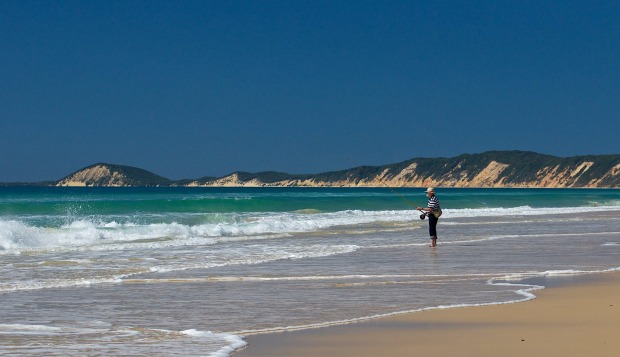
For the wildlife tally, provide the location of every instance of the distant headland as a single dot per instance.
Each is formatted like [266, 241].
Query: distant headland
[488, 169]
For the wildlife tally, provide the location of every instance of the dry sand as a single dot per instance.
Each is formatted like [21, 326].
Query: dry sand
[582, 319]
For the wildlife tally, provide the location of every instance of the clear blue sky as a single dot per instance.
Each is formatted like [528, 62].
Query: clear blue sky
[193, 88]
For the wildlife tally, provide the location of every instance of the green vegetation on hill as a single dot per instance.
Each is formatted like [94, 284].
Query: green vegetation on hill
[523, 166]
[119, 175]
[140, 177]
[516, 168]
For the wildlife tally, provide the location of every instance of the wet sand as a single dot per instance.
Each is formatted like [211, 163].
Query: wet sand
[569, 320]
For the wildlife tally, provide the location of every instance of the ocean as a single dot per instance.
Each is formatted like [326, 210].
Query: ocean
[190, 271]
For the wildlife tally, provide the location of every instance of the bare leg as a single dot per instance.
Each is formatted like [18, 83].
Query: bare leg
[433, 242]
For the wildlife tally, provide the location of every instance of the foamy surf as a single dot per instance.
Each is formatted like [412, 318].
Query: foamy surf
[84, 234]
[98, 338]
[187, 272]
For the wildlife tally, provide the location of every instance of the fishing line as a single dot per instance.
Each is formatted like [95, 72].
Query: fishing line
[422, 216]
[397, 193]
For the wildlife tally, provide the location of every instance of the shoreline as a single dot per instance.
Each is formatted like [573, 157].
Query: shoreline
[571, 318]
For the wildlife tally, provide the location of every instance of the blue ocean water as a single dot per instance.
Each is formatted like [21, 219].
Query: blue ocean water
[188, 271]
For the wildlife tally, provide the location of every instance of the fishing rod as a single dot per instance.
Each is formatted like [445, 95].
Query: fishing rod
[422, 216]
[397, 193]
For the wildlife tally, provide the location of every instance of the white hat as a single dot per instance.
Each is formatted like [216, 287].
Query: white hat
[430, 189]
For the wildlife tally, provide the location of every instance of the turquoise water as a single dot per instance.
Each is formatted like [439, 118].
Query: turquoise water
[121, 201]
[187, 271]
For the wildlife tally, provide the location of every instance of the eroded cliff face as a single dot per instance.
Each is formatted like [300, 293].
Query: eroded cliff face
[112, 176]
[459, 176]
[232, 180]
[491, 169]
[611, 175]
[98, 175]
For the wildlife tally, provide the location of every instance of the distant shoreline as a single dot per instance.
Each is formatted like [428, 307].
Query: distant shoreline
[27, 185]
[493, 169]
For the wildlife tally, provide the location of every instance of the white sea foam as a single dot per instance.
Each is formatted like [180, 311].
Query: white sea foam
[525, 291]
[262, 255]
[234, 342]
[58, 283]
[245, 255]
[84, 234]
[87, 234]
[88, 337]
[547, 273]
[521, 211]
[12, 329]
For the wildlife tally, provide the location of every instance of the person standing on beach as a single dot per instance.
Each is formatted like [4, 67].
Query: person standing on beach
[432, 211]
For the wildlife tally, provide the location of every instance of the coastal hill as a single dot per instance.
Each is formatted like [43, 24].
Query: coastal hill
[112, 175]
[489, 169]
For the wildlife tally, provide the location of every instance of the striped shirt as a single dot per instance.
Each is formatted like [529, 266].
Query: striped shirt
[433, 203]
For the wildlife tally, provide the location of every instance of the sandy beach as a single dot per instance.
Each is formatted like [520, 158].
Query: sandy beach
[578, 319]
